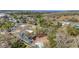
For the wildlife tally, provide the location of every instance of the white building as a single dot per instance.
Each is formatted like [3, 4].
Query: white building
[2, 14]
[65, 23]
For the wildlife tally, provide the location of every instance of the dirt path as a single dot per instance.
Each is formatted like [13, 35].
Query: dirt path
[43, 40]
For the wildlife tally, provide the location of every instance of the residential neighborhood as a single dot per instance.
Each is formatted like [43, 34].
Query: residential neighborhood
[23, 29]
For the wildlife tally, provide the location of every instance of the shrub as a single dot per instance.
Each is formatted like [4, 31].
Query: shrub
[7, 25]
[18, 44]
[72, 31]
[51, 37]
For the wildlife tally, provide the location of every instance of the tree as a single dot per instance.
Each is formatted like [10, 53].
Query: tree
[6, 25]
[51, 37]
[18, 44]
[72, 31]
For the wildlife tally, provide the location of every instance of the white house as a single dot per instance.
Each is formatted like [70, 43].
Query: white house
[65, 23]
[2, 14]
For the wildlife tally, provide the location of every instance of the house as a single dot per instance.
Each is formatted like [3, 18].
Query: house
[76, 26]
[25, 38]
[65, 23]
[2, 15]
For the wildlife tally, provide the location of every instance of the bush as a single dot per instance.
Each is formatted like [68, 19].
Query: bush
[18, 44]
[72, 31]
[51, 37]
[6, 25]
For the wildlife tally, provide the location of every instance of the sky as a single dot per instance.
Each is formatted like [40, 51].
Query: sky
[48, 10]
[39, 4]
[29, 0]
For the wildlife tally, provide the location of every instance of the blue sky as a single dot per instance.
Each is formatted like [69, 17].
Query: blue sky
[48, 10]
